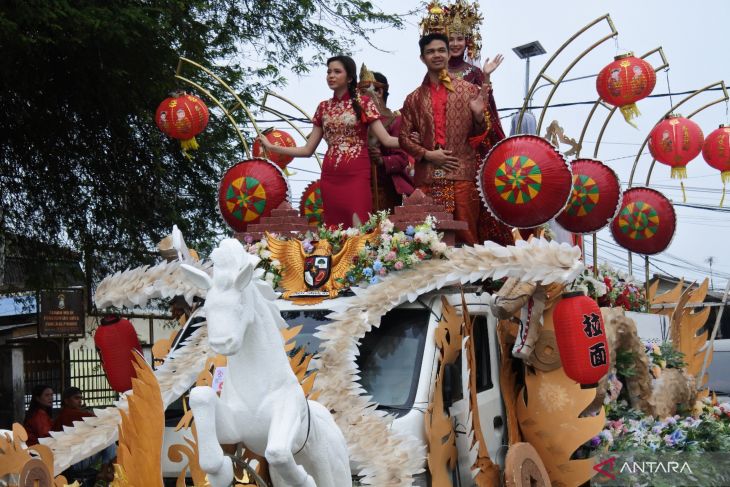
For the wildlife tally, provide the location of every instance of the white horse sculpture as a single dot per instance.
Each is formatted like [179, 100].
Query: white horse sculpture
[262, 404]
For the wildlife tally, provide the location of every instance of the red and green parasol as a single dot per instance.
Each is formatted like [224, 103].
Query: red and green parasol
[310, 206]
[645, 223]
[524, 181]
[250, 190]
[595, 198]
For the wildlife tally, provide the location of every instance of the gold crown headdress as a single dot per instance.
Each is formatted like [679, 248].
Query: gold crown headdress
[461, 17]
[367, 79]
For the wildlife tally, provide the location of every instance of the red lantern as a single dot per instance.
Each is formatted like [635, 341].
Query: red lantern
[182, 117]
[581, 338]
[675, 141]
[716, 151]
[116, 340]
[278, 138]
[625, 81]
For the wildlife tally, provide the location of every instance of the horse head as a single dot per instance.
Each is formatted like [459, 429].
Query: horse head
[226, 300]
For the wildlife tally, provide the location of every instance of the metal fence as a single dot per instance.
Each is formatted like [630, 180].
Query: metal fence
[88, 375]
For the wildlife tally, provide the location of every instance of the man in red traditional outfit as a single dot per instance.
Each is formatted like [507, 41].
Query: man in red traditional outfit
[450, 119]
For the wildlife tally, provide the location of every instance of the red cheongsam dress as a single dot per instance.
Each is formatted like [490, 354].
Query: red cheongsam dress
[345, 182]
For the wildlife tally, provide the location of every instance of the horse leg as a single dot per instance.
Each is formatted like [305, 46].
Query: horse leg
[286, 422]
[204, 402]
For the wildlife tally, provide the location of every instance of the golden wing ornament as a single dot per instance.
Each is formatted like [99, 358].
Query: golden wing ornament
[342, 261]
[291, 255]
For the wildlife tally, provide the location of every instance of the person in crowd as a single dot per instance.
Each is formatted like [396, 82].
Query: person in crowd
[392, 168]
[72, 409]
[38, 422]
[343, 121]
[444, 120]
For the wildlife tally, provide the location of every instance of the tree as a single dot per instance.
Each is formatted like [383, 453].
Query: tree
[82, 163]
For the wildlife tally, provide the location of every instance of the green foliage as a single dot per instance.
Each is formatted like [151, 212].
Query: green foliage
[82, 163]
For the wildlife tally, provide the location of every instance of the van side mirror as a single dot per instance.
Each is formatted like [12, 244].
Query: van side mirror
[450, 384]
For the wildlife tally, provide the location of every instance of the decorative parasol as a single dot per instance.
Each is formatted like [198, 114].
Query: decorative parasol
[310, 205]
[595, 198]
[645, 223]
[250, 190]
[524, 181]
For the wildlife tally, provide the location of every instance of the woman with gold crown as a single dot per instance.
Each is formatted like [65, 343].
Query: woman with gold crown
[461, 22]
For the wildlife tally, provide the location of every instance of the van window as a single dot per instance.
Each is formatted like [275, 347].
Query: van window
[390, 359]
[481, 353]
[309, 320]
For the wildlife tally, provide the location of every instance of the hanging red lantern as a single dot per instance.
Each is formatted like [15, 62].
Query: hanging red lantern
[524, 181]
[716, 151]
[311, 206]
[594, 200]
[581, 338]
[625, 81]
[676, 141]
[645, 223]
[116, 340]
[182, 117]
[250, 190]
[278, 138]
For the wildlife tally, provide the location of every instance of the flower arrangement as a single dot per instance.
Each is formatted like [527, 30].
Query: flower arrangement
[392, 251]
[663, 356]
[706, 429]
[611, 287]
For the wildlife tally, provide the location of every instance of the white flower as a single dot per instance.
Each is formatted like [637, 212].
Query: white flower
[275, 263]
[352, 232]
[265, 254]
[386, 226]
[269, 277]
[438, 247]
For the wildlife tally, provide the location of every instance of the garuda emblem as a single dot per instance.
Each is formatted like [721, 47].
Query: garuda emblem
[311, 278]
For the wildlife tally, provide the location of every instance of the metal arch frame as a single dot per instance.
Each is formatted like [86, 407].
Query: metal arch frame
[556, 83]
[725, 97]
[179, 76]
[612, 110]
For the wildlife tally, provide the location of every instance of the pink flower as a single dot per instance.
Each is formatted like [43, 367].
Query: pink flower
[398, 265]
[390, 256]
[383, 271]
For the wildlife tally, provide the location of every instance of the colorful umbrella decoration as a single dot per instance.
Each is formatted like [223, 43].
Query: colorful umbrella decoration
[645, 223]
[595, 198]
[250, 190]
[524, 181]
[310, 206]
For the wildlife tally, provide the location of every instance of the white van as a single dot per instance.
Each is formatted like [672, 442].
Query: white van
[398, 362]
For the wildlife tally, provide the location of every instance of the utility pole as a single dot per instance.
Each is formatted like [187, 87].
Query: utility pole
[711, 260]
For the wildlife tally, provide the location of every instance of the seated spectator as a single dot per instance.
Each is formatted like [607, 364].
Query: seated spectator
[37, 422]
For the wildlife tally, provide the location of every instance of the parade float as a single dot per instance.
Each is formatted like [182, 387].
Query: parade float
[382, 354]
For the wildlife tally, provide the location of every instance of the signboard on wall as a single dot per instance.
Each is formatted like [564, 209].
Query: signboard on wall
[61, 313]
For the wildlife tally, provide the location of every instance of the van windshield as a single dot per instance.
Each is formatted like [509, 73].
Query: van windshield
[309, 320]
[390, 359]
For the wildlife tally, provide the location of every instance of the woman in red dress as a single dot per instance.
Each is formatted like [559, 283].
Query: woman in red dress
[37, 421]
[343, 121]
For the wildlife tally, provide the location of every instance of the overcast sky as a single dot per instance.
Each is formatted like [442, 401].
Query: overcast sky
[694, 38]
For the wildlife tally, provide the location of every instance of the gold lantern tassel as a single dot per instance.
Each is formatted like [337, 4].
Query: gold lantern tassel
[725, 176]
[188, 145]
[630, 112]
[680, 172]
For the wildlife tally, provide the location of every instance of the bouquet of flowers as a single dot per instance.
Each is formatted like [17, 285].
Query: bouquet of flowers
[392, 251]
[611, 287]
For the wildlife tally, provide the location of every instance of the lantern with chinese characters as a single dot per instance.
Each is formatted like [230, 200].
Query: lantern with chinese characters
[625, 81]
[116, 340]
[182, 117]
[675, 141]
[581, 338]
[716, 151]
[278, 138]
[250, 190]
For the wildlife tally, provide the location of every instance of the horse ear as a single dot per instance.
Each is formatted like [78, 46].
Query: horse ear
[243, 277]
[197, 276]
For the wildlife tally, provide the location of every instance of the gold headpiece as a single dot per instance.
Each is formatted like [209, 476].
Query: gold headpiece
[461, 17]
[367, 79]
